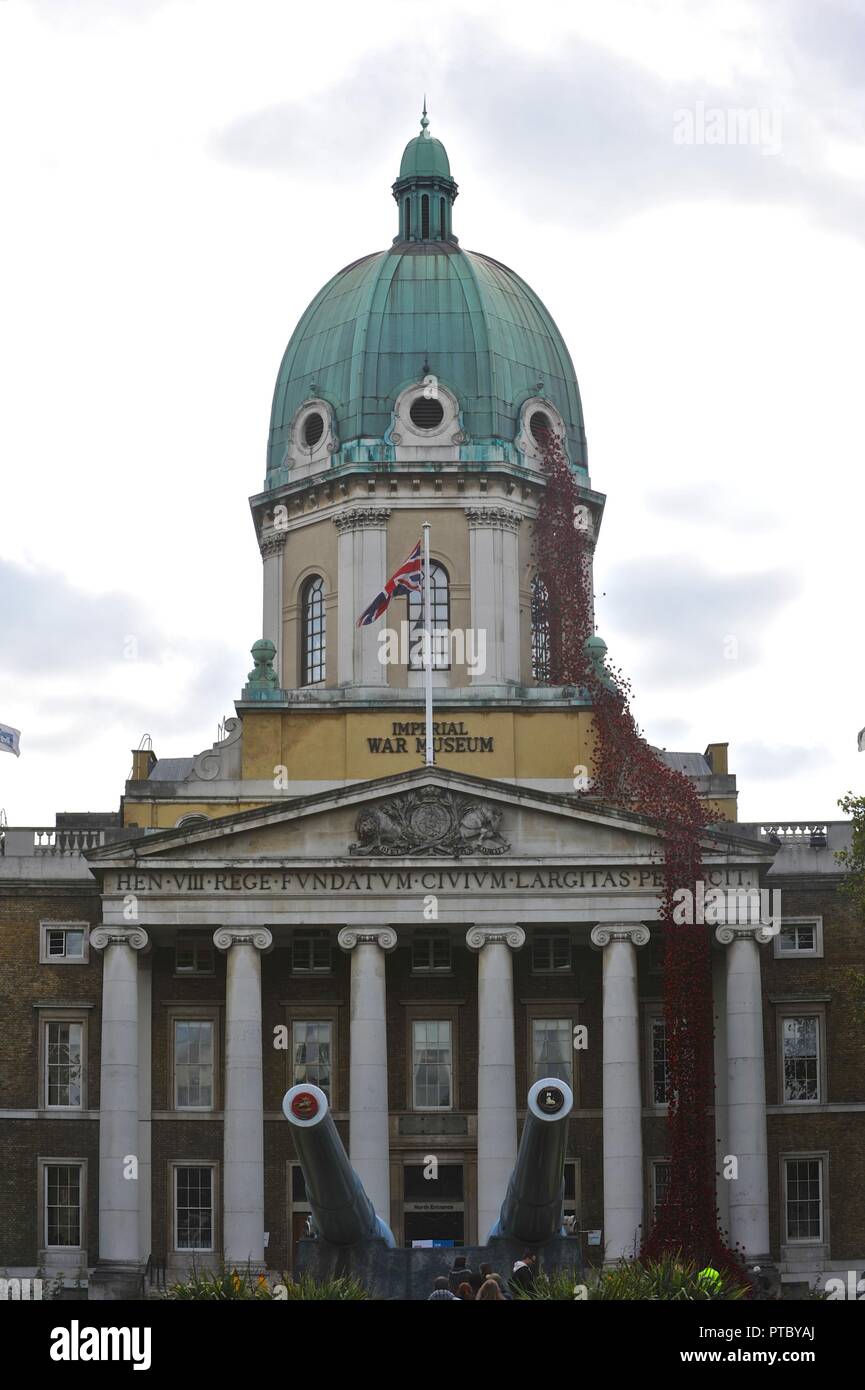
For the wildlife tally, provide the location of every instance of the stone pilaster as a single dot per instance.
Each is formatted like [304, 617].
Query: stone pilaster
[495, 599]
[361, 572]
[272, 547]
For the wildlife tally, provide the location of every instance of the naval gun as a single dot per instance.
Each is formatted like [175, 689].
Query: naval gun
[533, 1210]
[342, 1213]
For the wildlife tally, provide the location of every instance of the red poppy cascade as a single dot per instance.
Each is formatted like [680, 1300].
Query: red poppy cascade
[627, 773]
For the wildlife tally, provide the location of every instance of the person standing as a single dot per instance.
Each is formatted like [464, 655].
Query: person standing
[523, 1273]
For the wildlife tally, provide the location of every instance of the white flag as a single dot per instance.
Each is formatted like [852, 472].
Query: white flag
[9, 739]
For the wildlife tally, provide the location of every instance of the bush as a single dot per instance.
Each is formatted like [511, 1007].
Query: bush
[229, 1284]
[667, 1279]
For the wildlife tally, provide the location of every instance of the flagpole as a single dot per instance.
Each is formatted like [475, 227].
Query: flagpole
[427, 620]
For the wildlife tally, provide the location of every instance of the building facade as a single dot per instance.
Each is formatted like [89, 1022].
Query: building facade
[307, 901]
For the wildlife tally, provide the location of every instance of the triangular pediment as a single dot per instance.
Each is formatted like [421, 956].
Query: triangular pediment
[421, 815]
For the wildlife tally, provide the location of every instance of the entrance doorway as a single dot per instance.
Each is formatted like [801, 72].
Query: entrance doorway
[433, 1204]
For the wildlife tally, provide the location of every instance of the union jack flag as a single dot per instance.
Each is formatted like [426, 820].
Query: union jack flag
[408, 579]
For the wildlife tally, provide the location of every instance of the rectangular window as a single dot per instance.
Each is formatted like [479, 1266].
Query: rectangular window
[551, 952]
[193, 1207]
[193, 956]
[553, 1049]
[660, 1068]
[661, 1175]
[801, 1053]
[63, 1194]
[63, 1065]
[430, 951]
[803, 1182]
[800, 937]
[311, 953]
[432, 1064]
[312, 1049]
[64, 943]
[193, 1064]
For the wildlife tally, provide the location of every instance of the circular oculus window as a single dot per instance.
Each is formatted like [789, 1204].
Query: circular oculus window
[426, 413]
[541, 426]
[313, 429]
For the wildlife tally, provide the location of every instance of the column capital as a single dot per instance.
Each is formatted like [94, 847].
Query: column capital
[479, 937]
[493, 518]
[636, 932]
[761, 934]
[136, 937]
[272, 543]
[259, 937]
[349, 937]
[358, 518]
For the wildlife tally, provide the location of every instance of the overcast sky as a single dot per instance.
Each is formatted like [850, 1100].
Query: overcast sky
[179, 177]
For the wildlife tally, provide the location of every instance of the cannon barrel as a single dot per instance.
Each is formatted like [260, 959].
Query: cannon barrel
[532, 1211]
[341, 1211]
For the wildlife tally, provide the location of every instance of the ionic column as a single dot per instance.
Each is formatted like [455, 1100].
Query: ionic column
[118, 1094]
[361, 571]
[746, 1089]
[497, 1084]
[623, 1128]
[369, 1139]
[243, 1127]
[272, 547]
[495, 595]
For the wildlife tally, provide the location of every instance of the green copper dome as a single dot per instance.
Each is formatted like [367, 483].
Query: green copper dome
[424, 154]
[425, 306]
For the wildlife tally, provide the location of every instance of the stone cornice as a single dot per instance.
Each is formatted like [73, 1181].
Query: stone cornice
[493, 518]
[349, 937]
[356, 518]
[226, 937]
[635, 932]
[479, 937]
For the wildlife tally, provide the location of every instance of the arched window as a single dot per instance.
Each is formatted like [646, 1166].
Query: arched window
[408, 219]
[540, 630]
[424, 217]
[443, 219]
[313, 631]
[439, 617]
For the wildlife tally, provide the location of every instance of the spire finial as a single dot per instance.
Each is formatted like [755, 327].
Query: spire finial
[424, 120]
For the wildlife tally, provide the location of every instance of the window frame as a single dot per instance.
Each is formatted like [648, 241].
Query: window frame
[189, 1251]
[654, 1162]
[307, 666]
[326, 1012]
[43, 1163]
[809, 1156]
[550, 971]
[654, 1014]
[45, 927]
[540, 630]
[564, 1009]
[47, 1014]
[195, 941]
[415, 600]
[428, 936]
[802, 1009]
[815, 953]
[312, 935]
[178, 1012]
[433, 1014]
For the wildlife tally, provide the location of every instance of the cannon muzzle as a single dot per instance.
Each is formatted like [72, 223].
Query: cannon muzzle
[341, 1211]
[532, 1211]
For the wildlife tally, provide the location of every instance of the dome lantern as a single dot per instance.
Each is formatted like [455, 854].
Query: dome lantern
[425, 191]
